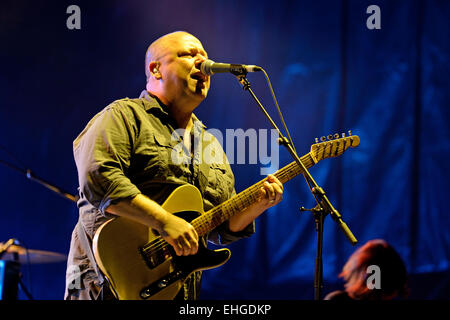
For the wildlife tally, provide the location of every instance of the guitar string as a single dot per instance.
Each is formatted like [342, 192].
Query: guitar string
[154, 246]
[161, 243]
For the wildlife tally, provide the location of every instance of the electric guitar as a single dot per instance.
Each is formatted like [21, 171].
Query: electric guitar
[140, 265]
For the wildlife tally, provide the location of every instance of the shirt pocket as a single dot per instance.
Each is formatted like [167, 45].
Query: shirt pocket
[218, 188]
[152, 159]
[163, 147]
[173, 155]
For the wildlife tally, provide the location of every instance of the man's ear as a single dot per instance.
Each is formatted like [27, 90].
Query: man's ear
[154, 69]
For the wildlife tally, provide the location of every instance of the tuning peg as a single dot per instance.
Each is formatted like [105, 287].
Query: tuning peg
[330, 137]
[317, 140]
[349, 132]
[336, 135]
[322, 138]
[343, 134]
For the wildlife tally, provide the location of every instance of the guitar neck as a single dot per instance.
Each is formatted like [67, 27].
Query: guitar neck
[216, 216]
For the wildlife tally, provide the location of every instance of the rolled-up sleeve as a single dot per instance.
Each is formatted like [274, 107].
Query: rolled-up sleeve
[224, 235]
[102, 155]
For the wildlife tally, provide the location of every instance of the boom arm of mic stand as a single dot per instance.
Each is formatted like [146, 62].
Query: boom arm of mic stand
[324, 202]
[30, 175]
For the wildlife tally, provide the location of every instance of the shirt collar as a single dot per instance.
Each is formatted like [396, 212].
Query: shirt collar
[153, 102]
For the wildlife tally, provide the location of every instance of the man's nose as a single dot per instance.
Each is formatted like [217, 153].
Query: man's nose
[198, 61]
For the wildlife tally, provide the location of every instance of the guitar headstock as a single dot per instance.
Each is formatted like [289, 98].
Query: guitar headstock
[333, 146]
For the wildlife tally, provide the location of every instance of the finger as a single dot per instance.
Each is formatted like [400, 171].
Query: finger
[278, 198]
[180, 249]
[192, 240]
[262, 194]
[186, 246]
[176, 246]
[278, 190]
[274, 179]
[194, 246]
[278, 182]
[270, 190]
[194, 234]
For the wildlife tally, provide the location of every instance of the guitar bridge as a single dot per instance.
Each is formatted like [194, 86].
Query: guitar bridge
[160, 284]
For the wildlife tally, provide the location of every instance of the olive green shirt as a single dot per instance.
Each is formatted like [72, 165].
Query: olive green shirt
[132, 147]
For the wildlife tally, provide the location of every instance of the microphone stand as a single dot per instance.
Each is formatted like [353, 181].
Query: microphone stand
[13, 276]
[31, 176]
[16, 264]
[323, 206]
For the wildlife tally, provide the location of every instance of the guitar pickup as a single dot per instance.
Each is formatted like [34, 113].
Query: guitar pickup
[161, 284]
[156, 257]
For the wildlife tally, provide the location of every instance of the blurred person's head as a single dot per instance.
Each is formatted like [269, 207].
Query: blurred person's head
[393, 274]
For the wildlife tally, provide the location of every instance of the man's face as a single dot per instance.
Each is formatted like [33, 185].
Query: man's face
[180, 68]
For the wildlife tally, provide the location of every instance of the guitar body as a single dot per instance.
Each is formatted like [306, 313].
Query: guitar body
[140, 265]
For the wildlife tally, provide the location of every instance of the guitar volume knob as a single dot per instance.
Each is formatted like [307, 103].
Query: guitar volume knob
[163, 283]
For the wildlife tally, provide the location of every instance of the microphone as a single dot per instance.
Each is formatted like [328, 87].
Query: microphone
[209, 67]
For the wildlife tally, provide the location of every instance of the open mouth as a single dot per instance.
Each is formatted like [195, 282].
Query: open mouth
[201, 79]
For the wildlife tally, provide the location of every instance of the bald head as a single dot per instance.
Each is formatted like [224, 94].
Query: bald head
[172, 67]
[161, 46]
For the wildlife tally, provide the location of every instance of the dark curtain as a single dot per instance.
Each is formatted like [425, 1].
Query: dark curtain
[330, 73]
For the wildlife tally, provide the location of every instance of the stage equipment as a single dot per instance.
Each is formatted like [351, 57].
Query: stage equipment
[323, 206]
[209, 67]
[139, 264]
[12, 255]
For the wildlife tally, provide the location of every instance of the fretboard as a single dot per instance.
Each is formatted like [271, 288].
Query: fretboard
[217, 215]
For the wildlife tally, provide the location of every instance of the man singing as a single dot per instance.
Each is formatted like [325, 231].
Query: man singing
[125, 166]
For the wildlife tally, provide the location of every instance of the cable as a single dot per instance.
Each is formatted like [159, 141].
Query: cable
[284, 125]
[278, 109]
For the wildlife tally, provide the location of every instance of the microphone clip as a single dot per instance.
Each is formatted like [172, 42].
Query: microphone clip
[238, 70]
[243, 80]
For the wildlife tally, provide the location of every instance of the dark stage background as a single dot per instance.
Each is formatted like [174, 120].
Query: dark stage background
[330, 73]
